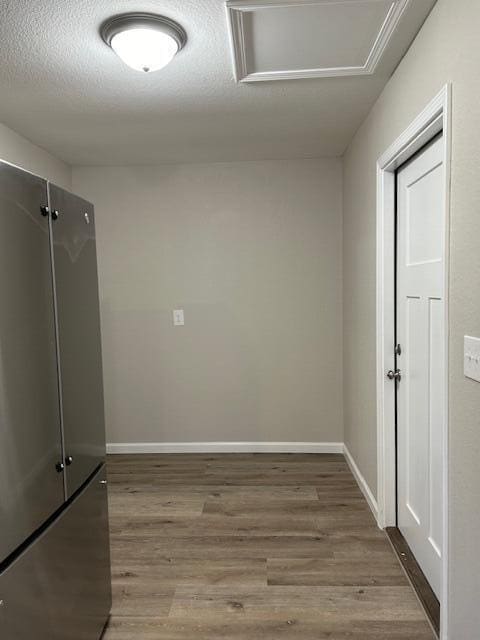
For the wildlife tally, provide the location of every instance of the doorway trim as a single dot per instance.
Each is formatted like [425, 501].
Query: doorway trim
[436, 117]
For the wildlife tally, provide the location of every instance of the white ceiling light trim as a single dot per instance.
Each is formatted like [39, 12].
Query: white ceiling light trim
[237, 9]
[144, 41]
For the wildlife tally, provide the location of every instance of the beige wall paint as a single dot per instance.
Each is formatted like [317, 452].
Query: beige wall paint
[16, 149]
[446, 50]
[252, 252]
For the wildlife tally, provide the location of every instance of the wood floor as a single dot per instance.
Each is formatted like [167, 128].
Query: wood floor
[251, 546]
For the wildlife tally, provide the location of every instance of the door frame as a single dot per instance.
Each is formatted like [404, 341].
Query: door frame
[436, 117]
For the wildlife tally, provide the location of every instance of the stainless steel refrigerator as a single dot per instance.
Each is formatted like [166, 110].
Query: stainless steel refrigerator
[54, 548]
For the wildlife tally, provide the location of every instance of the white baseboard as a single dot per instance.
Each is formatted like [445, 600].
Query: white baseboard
[225, 447]
[362, 483]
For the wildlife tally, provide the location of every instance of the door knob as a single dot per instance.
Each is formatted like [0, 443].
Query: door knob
[68, 460]
[59, 467]
[394, 375]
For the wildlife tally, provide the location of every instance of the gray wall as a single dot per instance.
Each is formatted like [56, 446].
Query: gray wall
[252, 252]
[447, 49]
[18, 150]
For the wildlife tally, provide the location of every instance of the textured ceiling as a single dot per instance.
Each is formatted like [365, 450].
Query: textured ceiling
[62, 88]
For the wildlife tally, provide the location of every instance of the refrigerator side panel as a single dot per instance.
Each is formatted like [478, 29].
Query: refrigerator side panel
[76, 282]
[60, 587]
[31, 488]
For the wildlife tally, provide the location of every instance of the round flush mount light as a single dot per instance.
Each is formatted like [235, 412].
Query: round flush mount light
[144, 41]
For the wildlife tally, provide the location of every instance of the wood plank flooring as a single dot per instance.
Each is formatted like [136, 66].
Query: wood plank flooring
[251, 546]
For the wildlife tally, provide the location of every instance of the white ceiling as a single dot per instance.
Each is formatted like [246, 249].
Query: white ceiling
[62, 88]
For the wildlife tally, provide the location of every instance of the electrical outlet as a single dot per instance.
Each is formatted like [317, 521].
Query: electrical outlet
[178, 318]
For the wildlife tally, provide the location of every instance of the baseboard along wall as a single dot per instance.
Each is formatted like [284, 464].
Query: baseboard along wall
[225, 447]
[362, 483]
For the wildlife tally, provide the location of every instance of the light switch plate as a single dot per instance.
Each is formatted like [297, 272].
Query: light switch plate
[178, 318]
[471, 358]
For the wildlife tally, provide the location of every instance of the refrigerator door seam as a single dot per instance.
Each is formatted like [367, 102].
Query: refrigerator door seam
[57, 343]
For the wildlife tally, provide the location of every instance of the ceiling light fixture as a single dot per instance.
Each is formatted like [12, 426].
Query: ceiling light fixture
[144, 41]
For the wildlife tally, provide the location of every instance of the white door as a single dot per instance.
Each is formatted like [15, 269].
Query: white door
[421, 336]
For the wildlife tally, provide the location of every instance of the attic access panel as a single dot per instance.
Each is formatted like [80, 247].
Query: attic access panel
[286, 39]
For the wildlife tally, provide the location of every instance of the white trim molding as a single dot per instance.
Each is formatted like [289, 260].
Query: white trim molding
[224, 447]
[431, 121]
[362, 483]
[239, 40]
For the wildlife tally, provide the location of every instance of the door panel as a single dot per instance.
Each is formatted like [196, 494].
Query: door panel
[59, 588]
[76, 285]
[30, 438]
[421, 334]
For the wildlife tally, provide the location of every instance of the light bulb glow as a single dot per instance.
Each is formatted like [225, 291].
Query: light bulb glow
[144, 49]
